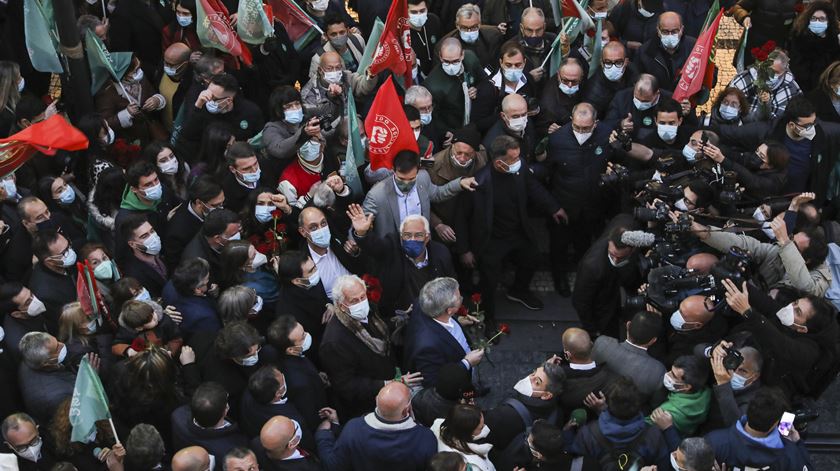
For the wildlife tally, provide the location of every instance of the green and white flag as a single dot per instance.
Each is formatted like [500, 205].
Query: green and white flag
[355, 155]
[252, 22]
[370, 47]
[597, 50]
[89, 404]
[103, 63]
[41, 37]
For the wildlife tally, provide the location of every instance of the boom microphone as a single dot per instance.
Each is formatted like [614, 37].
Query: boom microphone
[638, 238]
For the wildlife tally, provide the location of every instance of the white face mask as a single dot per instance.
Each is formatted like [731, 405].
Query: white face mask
[667, 132]
[307, 342]
[728, 112]
[170, 167]
[212, 463]
[645, 13]
[359, 311]
[677, 320]
[259, 260]
[483, 433]
[758, 215]
[320, 5]
[809, 133]
[109, 139]
[785, 315]
[310, 150]
[334, 76]
[524, 386]
[32, 452]
[468, 37]
[670, 41]
[617, 264]
[62, 354]
[689, 153]
[582, 136]
[614, 73]
[452, 69]
[418, 20]
[518, 124]
[567, 90]
[643, 105]
[669, 383]
[258, 305]
[314, 279]
[21, 84]
[152, 245]
[36, 307]
[680, 204]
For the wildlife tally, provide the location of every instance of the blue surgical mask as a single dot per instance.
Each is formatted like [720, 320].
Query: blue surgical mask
[262, 212]
[413, 248]
[677, 320]
[468, 37]
[184, 21]
[104, 271]
[69, 258]
[614, 73]
[212, 107]
[515, 167]
[143, 296]
[738, 382]
[152, 245]
[154, 193]
[294, 116]
[643, 105]
[670, 41]
[321, 237]
[310, 150]
[728, 112]
[513, 75]
[253, 177]
[67, 196]
[10, 187]
[774, 81]
[567, 90]
[667, 132]
[425, 118]
[818, 27]
[689, 153]
[452, 69]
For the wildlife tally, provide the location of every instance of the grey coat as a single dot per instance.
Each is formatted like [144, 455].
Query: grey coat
[381, 201]
[631, 362]
[280, 139]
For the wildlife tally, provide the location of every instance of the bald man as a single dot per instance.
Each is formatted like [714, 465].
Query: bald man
[617, 73]
[278, 446]
[331, 260]
[176, 66]
[664, 55]
[323, 94]
[385, 439]
[193, 458]
[694, 322]
[513, 120]
[450, 82]
[583, 375]
[535, 41]
[634, 109]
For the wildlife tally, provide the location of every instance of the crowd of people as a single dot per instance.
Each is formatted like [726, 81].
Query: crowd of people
[246, 307]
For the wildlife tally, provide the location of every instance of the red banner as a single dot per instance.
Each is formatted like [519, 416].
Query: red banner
[394, 50]
[46, 137]
[387, 128]
[694, 71]
[215, 30]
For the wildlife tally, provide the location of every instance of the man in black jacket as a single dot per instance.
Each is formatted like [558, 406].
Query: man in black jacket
[334, 254]
[559, 96]
[493, 223]
[220, 227]
[302, 296]
[694, 322]
[268, 396]
[617, 73]
[583, 374]
[577, 155]
[21, 436]
[205, 196]
[54, 276]
[204, 422]
[639, 103]
[143, 261]
[606, 267]
[664, 56]
[279, 447]
[414, 258]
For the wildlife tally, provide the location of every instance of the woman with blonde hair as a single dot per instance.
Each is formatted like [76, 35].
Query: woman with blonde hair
[78, 332]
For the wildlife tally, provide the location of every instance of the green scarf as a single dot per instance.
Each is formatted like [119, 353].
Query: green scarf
[688, 410]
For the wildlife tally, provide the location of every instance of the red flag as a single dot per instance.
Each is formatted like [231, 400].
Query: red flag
[214, 30]
[694, 71]
[300, 27]
[394, 49]
[387, 128]
[46, 137]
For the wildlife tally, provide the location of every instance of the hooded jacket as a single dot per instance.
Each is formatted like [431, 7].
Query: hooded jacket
[652, 449]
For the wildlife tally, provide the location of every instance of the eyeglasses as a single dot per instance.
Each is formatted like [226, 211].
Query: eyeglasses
[805, 127]
[611, 64]
[22, 448]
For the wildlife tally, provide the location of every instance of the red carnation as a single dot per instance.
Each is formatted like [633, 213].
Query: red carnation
[138, 344]
[755, 52]
[763, 56]
[475, 298]
[281, 228]
[372, 282]
[462, 311]
[504, 328]
[374, 296]
[277, 214]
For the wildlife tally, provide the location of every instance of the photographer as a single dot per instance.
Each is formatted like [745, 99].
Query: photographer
[800, 343]
[799, 263]
[737, 375]
[762, 174]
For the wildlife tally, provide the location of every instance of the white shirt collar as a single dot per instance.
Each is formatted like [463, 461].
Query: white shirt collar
[498, 82]
[582, 366]
[294, 456]
[424, 262]
[450, 325]
[192, 211]
[634, 345]
[315, 255]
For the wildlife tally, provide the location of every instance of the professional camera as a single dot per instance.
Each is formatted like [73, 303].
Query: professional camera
[619, 173]
[729, 194]
[733, 358]
[623, 141]
[682, 225]
[668, 286]
[326, 122]
[659, 212]
[734, 266]
[656, 190]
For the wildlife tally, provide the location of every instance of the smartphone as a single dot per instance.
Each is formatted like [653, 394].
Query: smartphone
[786, 423]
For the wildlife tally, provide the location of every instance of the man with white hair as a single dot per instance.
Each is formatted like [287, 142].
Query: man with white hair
[434, 338]
[766, 105]
[413, 258]
[481, 40]
[45, 380]
[356, 349]
[419, 97]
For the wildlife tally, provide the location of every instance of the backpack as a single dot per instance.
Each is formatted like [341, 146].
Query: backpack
[619, 457]
[516, 452]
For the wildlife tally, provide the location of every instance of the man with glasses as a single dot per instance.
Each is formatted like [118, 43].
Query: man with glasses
[617, 73]
[414, 258]
[664, 55]
[560, 95]
[325, 93]
[577, 155]
[481, 40]
[22, 436]
[54, 276]
[452, 83]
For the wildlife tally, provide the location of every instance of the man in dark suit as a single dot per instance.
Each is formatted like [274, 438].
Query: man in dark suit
[268, 396]
[639, 103]
[583, 374]
[694, 323]
[663, 56]
[279, 447]
[493, 223]
[434, 338]
[136, 27]
[45, 382]
[54, 276]
[143, 262]
[21, 436]
[616, 73]
[630, 358]
[206, 195]
[219, 228]
[23, 314]
[203, 422]
[407, 260]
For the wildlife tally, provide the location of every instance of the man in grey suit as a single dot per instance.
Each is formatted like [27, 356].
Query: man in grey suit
[44, 379]
[630, 358]
[409, 191]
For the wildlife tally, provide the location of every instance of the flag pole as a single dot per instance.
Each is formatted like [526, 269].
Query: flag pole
[104, 10]
[114, 430]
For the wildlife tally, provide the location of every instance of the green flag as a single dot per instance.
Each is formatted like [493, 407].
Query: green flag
[252, 23]
[40, 34]
[711, 15]
[742, 52]
[89, 403]
[103, 63]
[355, 151]
[370, 47]
[556, 12]
[555, 56]
[595, 59]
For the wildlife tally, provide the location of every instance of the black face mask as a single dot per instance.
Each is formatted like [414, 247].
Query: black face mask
[533, 41]
[48, 225]
[753, 161]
